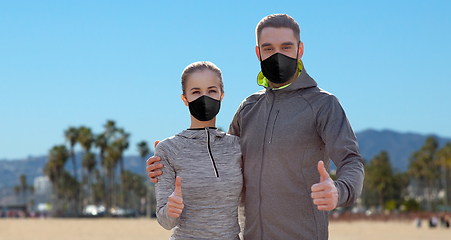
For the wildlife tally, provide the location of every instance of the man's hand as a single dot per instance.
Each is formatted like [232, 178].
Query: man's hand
[175, 201]
[324, 193]
[153, 167]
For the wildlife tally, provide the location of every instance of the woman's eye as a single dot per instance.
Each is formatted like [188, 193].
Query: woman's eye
[213, 91]
[195, 92]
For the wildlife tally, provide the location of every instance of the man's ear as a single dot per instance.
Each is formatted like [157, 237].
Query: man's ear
[301, 49]
[184, 100]
[257, 52]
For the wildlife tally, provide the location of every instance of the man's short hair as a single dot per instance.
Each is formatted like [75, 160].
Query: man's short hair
[278, 21]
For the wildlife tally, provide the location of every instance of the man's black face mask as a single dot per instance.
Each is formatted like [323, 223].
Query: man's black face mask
[279, 68]
[204, 108]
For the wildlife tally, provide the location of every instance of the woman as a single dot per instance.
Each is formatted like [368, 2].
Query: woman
[198, 192]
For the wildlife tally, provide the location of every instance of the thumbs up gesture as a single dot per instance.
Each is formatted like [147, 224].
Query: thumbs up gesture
[324, 193]
[175, 200]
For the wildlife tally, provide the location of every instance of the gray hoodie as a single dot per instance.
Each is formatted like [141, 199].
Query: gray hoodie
[283, 134]
[209, 164]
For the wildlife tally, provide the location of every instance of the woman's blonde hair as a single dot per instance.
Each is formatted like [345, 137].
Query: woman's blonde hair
[199, 66]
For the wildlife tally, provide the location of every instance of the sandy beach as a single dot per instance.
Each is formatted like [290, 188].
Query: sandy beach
[145, 229]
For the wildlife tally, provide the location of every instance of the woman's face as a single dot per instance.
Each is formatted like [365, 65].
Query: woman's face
[204, 82]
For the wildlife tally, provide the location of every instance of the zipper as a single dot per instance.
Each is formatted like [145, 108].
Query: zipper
[209, 152]
[261, 170]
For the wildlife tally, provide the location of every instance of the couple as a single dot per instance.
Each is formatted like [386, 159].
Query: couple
[274, 159]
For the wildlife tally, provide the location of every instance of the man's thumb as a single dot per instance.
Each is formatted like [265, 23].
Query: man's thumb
[324, 175]
[156, 143]
[178, 186]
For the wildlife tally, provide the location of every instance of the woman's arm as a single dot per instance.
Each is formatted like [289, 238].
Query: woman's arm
[165, 189]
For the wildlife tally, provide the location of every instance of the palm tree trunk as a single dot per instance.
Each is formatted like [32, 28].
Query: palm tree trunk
[107, 193]
[445, 185]
[429, 195]
[74, 165]
[25, 197]
[123, 191]
[77, 193]
[148, 202]
[113, 188]
[381, 200]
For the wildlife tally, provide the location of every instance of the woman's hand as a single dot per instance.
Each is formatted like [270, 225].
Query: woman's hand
[175, 201]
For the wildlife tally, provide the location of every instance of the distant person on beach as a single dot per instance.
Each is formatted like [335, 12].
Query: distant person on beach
[289, 132]
[198, 192]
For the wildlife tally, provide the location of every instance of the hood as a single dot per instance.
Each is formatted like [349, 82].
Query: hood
[302, 81]
[201, 134]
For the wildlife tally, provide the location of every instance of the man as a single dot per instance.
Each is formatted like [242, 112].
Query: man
[289, 132]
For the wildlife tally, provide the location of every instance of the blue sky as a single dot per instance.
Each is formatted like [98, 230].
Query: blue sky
[73, 63]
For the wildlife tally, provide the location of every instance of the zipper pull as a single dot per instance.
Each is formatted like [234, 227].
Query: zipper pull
[211, 155]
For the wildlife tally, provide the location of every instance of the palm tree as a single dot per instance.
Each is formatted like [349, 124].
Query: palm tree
[17, 192]
[444, 160]
[71, 135]
[110, 129]
[86, 139]
[143, 150]
[102, 142]
[58, 156]
[111, 159]
[135, 189]
[122, 144]
[99, 189]
[89, 163]
[379, 176]
[424, 168]
[69, 190]
[31, 189]
[23, 187]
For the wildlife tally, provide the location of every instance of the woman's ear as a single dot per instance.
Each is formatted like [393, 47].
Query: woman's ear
[184, 100]
[222, 96]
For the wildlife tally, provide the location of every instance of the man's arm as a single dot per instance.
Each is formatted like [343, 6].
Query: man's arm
[342, 148]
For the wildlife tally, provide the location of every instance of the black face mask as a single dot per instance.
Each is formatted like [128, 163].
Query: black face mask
[204, 108]
[279, 68]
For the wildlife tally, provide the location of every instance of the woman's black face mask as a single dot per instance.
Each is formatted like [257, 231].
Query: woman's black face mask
[204, 108]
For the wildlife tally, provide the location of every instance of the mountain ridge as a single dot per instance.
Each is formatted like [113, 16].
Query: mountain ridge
[399, 146]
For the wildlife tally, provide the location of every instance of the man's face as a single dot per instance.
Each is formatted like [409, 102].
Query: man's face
[278, 40]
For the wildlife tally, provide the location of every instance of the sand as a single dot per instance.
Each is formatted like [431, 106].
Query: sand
[145, 229]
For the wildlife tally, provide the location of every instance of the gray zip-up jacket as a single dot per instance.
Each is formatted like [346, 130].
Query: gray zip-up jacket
[283, 134]
[209, 164]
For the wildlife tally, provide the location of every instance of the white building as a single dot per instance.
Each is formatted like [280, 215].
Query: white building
[42, 190]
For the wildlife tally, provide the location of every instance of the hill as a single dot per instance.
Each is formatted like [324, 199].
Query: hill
[399, 146]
